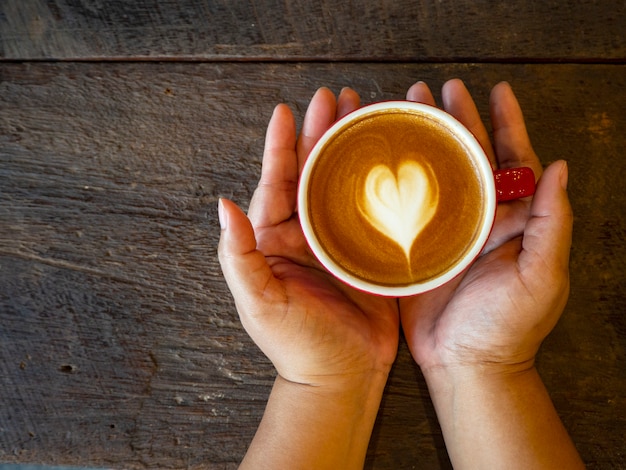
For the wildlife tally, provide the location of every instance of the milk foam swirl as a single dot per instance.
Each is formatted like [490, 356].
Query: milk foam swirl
[399, 206]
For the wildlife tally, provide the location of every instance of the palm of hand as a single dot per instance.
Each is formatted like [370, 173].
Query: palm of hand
[468, 321]
[502, 307]
[312, 327]
[313, 312]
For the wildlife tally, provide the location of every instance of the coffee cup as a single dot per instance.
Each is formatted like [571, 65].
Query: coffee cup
[398, 198]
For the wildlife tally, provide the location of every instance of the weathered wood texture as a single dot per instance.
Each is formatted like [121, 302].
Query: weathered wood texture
[390, 30]
[119, 342]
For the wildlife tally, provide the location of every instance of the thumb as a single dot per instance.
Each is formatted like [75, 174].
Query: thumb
[245, 269]
[548, 234]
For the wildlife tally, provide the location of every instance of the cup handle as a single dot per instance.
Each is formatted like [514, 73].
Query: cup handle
[514, 183]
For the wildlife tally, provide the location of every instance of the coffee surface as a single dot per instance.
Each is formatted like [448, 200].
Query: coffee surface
[394, 199]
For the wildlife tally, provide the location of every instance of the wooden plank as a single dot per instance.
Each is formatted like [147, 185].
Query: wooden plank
[399, 30]
[119, 342]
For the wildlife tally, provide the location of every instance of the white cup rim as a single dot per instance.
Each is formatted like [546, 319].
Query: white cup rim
[482, 164]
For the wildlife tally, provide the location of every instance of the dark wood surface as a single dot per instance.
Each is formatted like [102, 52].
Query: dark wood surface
[584, 30]
[119, 343]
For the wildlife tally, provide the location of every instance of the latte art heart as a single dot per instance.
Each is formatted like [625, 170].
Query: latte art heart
[399, 206]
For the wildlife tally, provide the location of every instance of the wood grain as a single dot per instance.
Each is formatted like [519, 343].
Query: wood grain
[119, 343]
[399, 30]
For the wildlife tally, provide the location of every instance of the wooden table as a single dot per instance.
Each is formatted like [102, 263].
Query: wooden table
[121, 123]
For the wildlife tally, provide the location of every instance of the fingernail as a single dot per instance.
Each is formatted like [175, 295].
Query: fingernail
[221, 214]
[564, 175]
[345, 90]
[322, 89]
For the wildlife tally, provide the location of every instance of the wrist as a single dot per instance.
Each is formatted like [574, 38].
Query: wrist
[324, 426]
[462, 370]
[501, 407]
[360, 391]
[479, 375]
[349, 379]
[343, 410]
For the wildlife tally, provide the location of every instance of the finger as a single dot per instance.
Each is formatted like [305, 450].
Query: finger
[458, 102]
[319, 117]
[274, 199]
[420, 93]
[548, 234]
[511, 140]
[245, 268]
[347, 102]
[511, 220]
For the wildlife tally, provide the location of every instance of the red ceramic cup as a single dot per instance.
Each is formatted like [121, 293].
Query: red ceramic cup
[498, 186]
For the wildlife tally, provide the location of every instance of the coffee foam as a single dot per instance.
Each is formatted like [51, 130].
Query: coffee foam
[401, 205]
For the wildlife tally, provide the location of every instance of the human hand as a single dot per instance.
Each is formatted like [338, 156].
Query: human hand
[313, 328]
[500, 309]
